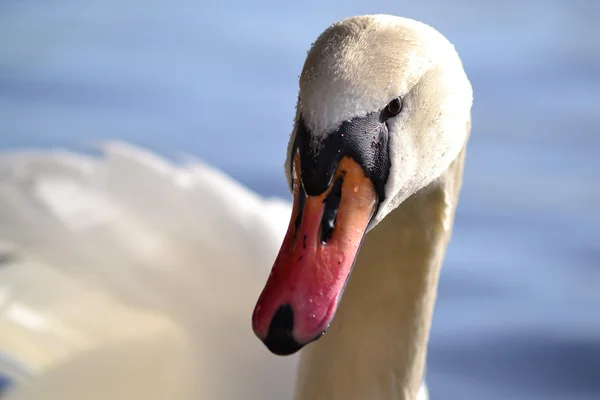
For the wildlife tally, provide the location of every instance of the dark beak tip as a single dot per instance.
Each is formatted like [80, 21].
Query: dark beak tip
[280, 337]
[283, 347]
[280, 340]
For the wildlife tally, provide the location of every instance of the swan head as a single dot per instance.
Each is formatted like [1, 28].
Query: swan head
[382, 111]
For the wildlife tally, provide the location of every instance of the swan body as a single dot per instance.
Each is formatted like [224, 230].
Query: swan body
[182, 240]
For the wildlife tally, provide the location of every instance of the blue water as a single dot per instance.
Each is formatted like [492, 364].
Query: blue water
[517, 315]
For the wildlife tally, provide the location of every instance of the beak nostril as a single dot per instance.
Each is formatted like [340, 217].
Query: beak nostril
[332, 203]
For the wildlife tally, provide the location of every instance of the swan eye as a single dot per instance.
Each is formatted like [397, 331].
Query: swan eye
[393, 108]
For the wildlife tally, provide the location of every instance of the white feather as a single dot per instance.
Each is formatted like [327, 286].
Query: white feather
[184, 240]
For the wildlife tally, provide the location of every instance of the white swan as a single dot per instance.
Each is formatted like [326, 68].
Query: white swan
[382, 121]
[161, 236]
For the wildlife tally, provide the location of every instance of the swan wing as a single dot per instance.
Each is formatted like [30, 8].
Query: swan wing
[183, 239]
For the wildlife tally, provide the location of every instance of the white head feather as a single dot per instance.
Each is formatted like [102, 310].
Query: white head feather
[358, 65]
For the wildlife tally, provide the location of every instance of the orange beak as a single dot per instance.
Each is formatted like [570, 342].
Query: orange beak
[316, 258]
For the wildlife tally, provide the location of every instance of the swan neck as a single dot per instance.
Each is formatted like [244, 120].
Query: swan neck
[377, 345]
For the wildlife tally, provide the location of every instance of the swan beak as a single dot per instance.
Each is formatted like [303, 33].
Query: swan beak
[316, 258]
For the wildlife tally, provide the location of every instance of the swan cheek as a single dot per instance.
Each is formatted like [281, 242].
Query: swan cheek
[308, 277]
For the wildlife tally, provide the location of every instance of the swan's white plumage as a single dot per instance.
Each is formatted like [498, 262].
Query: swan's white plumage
[186, 240]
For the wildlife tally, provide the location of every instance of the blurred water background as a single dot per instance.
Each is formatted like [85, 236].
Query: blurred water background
[517, 315]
